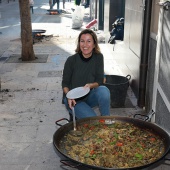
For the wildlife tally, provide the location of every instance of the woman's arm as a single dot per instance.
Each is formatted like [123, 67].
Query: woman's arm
[71, 102]
[99, 69]
[67, 74]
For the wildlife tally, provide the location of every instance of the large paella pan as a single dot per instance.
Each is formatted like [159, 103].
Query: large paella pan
[112, 142]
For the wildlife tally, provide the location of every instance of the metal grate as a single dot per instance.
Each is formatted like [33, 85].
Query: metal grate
[50, 73]
[3, 59]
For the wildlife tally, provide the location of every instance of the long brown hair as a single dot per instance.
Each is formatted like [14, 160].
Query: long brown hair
[93, 34]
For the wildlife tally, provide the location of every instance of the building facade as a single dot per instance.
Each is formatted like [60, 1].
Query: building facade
[147, 35]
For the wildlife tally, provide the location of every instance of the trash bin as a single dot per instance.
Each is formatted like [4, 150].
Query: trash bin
[118, 86]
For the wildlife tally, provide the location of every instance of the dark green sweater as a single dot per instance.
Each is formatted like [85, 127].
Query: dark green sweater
[78, 72]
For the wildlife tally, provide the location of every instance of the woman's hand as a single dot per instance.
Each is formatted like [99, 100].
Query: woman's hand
[71, 103]
[88, 86]
[91, 85]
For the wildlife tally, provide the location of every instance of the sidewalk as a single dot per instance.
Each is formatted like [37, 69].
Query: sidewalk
[31, 93]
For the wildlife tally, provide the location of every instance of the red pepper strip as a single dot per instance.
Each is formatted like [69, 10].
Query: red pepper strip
[91, 128]
[119, 144]
[102, 121]
[86, 125]
[152, 139]
[92, 152]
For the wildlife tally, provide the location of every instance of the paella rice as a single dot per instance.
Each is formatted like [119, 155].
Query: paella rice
[115, 145]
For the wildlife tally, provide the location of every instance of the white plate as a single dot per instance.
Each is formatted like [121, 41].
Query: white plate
[77, 92]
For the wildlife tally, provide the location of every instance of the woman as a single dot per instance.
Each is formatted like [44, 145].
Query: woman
[86, 68]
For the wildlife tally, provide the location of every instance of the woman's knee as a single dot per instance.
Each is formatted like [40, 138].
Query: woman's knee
[83, 110]
[104, 92]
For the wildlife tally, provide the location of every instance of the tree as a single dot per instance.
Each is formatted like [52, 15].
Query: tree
[27, 52]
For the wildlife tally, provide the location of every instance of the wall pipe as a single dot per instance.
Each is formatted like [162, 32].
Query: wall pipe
[144, 53]
[95, 9]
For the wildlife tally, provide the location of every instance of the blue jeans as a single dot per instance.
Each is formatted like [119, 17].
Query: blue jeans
[99, 96]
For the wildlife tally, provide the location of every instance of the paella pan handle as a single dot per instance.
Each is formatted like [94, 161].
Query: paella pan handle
[68, 163]
[128, 77]
[60, 120]
[147, 117]
[142, 117]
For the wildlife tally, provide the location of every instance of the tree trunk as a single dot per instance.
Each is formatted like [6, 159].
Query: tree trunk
[27, 52]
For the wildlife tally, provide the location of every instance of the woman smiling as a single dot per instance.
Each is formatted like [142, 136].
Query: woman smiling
[86, 68]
